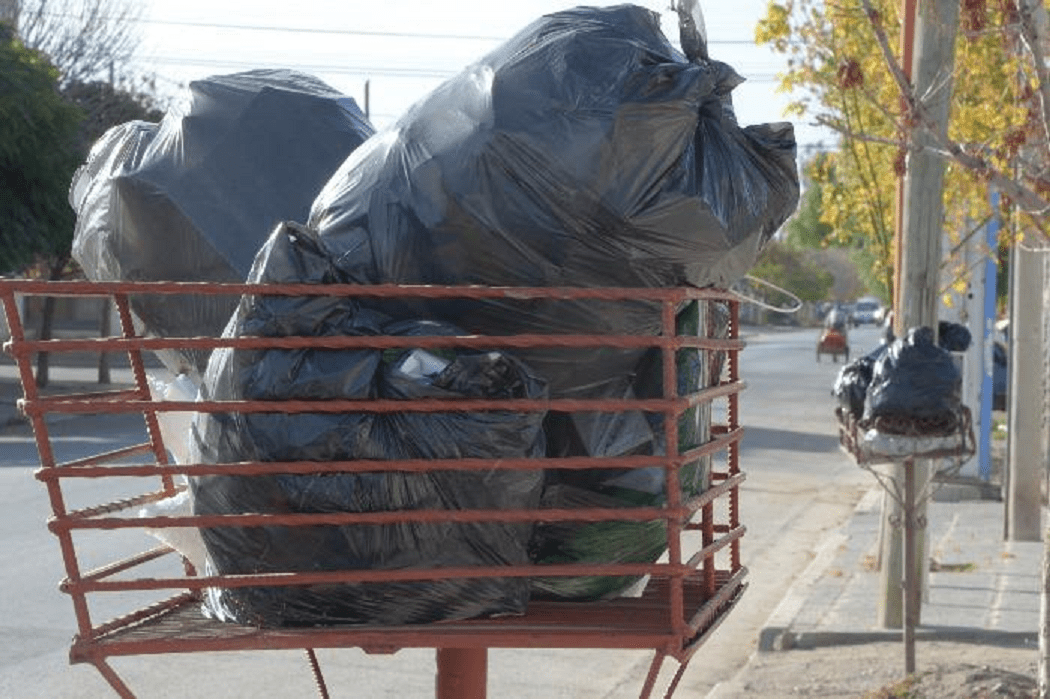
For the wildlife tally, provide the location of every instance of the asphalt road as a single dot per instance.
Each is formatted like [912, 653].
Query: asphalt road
[799, 486]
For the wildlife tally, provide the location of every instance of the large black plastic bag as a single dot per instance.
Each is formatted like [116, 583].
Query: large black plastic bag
[851, 384]
[916, 388]
[585, 152]
[292, 254]
[626, 541]
[953, 337]
[194, 197]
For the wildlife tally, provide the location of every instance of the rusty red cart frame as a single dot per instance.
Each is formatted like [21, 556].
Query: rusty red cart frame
[689, 593]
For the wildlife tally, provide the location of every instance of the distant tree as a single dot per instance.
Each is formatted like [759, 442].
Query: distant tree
[794, 271]
[104, 107]
[38, 155]
[842, 64]
[806, 229]
[38, 138]
[45, 134]
[87, 40]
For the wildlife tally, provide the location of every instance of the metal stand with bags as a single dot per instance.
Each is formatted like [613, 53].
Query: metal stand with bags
[871, 446]
[687, 592]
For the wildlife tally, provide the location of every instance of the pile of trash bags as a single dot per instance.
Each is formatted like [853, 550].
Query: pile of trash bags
[907, 386]
[194, 197]
[587, 152]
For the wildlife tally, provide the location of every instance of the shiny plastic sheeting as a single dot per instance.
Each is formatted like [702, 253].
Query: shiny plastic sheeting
[585, 151]
[623, 541]
[915, 385]
[194, 197]
[292, 255]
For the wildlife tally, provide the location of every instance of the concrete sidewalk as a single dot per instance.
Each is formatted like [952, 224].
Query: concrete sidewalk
[981, 589]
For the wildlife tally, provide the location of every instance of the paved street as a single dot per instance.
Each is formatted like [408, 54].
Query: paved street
[800, 488]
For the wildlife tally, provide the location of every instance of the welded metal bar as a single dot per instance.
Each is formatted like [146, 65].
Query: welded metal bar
[315, 669]
[47, 456]
[672, 480]
[344, 342]
[681, 605]
[126, 564]
[302, 578]
[111, 676]
[138, 370]
[89, 468]
[733, 423]
[462, 673]
[77, 288]
[85, 519]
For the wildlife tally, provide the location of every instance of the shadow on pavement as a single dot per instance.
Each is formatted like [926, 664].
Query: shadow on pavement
[766, 438]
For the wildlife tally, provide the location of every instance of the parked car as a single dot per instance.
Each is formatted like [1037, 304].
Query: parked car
[866, 311]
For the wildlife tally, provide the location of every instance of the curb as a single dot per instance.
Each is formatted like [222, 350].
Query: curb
[776, 633]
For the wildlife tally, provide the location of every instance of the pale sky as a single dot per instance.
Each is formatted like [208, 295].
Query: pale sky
[406, 48]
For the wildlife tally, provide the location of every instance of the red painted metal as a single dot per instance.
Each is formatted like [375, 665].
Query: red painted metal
[462, 673]
[687, 597]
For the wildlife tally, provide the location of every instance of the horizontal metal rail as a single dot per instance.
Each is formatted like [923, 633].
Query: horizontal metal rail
[688, 594]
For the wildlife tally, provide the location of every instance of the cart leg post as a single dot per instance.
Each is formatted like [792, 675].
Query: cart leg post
[113, 678]
[315, 668]
[910, 578]
[462, 673]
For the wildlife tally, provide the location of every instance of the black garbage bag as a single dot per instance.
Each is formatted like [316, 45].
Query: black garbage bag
[953, 337]
[851, 384]
[916, 388]
[194, 197]
[585, 151]
[327, 374]
[627, 541]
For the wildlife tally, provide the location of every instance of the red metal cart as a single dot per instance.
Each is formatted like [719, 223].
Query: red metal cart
[686, 598]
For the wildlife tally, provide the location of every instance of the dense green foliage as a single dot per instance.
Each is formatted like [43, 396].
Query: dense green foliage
[845, 82]
[104, 107]
[45, 134]
[793, 270]
[38, 156]
[806, 229]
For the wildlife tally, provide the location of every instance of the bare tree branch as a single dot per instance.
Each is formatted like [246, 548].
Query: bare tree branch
[1027, 198]
[903, 84]
[85, 39]
[1033, 33]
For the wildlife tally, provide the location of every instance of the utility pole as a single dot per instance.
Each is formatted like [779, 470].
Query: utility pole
[1024, 480]
[918, 283]
[1026, 395]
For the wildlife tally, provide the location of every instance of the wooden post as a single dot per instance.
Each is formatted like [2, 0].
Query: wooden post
[920, 253]
[910, 590]
[1044, 624]
[1024, 484]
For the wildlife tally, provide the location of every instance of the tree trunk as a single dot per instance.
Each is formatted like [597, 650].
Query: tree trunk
[47, 320]
[43, 359]
[103, 331]
[1044, 623]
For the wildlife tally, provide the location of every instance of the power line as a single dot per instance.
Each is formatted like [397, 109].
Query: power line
[322, 30]
[386, 71]
[342, 32]
[360, 32]
[343, 69]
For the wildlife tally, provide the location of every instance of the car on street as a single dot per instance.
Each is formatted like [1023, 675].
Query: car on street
[866, 311]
